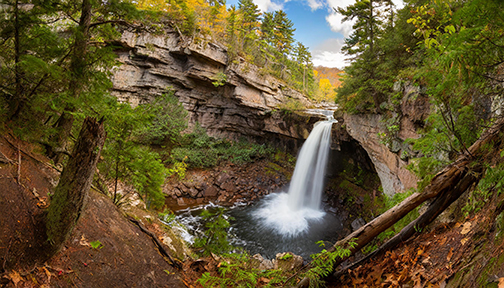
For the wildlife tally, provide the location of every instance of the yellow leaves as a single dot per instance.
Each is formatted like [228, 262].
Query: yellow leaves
[154, 5]
[501, 282]
[326, 90]
[466, 228]
[48, 274]
[15, 277]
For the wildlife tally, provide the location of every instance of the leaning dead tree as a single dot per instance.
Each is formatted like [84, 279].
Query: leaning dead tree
[70, 195]
[445, 187]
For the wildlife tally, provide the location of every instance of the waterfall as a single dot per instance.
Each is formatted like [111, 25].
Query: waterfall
[288, 213]
[308, 179]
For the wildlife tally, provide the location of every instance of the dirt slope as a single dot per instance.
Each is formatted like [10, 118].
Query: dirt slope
[127, 257]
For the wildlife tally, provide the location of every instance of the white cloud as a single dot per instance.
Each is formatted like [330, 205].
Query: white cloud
[315, 4]
[334, 19]
[330, 59]
[331, 44]
[398, 3]
[268, 5]
[328, 54]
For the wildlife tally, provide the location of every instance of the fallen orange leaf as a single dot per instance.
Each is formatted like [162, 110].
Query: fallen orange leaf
[450, 254]
[15, 277]
[466, 228]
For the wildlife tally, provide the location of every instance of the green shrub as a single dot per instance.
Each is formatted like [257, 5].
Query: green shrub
[291, 105]
[198, 150]
[236, 271]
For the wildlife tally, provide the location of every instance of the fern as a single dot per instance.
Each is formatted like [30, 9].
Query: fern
[323, 262]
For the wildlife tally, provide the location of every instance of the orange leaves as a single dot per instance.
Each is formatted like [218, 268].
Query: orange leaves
[450, 254]
[15, 277]
[395, 270]
[501, 282]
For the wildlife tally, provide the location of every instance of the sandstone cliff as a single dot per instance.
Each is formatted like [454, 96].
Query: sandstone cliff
[230, 100]
[390, 154]
[233, 99]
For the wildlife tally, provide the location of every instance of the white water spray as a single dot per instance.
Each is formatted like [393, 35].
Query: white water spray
[288, 213]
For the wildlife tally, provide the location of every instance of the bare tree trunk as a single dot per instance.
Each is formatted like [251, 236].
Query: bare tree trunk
[71, 193]
[447, 185]
[78, 77]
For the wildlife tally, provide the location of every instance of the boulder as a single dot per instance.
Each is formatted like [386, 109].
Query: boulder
[260, 263]
[287, 261]
[210, 191]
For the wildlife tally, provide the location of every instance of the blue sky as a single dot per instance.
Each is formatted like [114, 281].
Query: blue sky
[317, 26]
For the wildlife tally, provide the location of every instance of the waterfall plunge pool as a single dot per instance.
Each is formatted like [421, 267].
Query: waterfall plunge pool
[284, 222]
[256, 236]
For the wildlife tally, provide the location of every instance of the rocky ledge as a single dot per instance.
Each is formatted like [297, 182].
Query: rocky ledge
[230, 100]
[226, 184]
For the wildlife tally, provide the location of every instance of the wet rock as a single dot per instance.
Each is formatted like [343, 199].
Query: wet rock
[260, 263]
[228, 186]
[287, 261]
[358, 223]
[222, 178]
[210, 191]
[181, 202]
[193, 192]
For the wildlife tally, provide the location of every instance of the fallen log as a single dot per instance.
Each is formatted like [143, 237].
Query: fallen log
[447, 186]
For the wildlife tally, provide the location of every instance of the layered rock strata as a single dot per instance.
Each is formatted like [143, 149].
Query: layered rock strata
[230, 100]
[391, 154]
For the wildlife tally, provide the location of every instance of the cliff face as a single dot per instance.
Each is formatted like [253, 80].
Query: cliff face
[233, 99]
[390, 154]
[229, 100]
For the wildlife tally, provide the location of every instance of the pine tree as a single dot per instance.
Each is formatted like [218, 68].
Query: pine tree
[31, 54]
[231, 32]
[361, 46]
[283, 33]
[268, 28]
[250, 14]
[303, 56]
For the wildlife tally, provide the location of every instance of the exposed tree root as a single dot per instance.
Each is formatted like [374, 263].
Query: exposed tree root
[173, 262]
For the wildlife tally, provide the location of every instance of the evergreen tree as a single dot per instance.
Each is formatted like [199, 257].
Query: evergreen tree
[267, 28]
[361, 79]
[250, 14]
[231, 31]
[283, 33]
[303, 56]
[32, 56]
